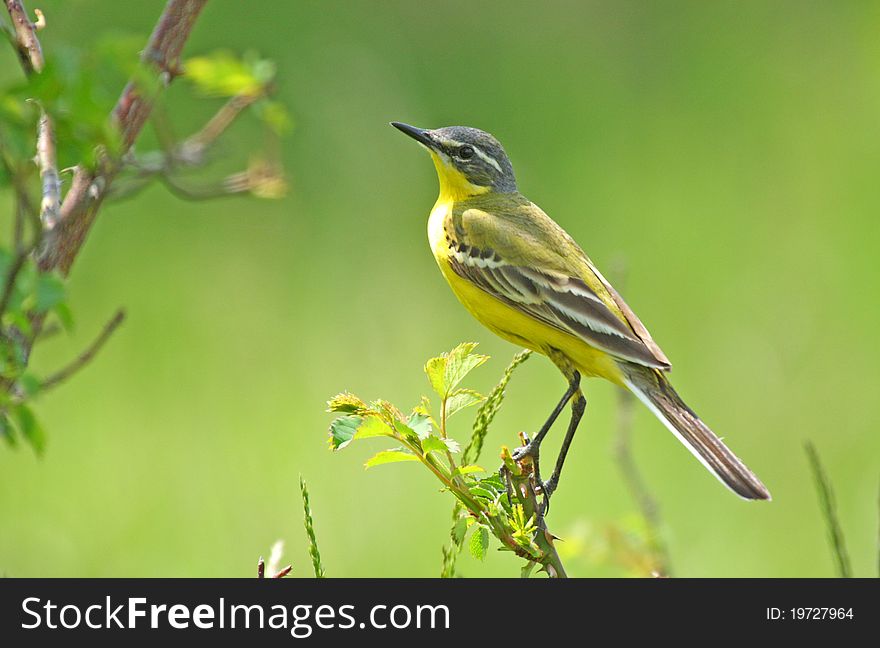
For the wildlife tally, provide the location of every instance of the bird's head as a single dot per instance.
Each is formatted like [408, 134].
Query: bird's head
[469, 161]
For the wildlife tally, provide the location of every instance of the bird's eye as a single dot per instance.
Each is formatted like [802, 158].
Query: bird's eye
[466, 152]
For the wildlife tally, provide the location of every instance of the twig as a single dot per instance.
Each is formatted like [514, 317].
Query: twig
[30, 53]
[18, 228]
[637, 486]
[21, 256]
[284, 571]
[25, 37]
[281, 573]
[194, 147]
[829, 508]
[191, 153]
[48, 164]
[86, 356]
[89, 187]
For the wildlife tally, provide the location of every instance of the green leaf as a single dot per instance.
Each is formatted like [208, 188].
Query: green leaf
[436, 370]
[342, 431]
[433, 444]
[21, 321]
[65, 316]
[424, 406]
[345, 402]
[479, 542]
[29, 427]
[460, 528]
[449, 369]
[275, 116]
[346, 429]
[372, 426]
[405, 431]
[420, 424]
[460, 362]
[49, 292]
[223, 74]
[452, 445]
[478, 491]
[467, 470]
[390, 456]
[387, 410]
[6, 431]
[29, 384]
[460, 399]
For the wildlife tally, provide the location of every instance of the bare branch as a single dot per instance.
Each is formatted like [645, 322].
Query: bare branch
[284, 571]
[86, 356]
[191, 153]
[829, 509]
[30, 53]
[194, 147]
[89, 187]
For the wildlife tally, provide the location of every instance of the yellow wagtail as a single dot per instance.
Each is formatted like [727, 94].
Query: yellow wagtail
[523, 277]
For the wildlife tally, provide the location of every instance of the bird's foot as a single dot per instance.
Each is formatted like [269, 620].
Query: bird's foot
[529, 449]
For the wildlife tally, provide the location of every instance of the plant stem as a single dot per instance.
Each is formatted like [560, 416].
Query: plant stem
[829, 508]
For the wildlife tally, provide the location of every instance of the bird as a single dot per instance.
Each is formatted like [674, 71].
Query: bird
[526, 279]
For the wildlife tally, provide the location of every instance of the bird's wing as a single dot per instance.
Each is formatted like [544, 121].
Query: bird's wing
[525, 268]
[633, 320]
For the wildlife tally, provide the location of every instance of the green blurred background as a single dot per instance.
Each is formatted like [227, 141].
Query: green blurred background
[727, 153]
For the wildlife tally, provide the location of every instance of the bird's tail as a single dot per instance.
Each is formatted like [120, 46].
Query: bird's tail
[653, 389]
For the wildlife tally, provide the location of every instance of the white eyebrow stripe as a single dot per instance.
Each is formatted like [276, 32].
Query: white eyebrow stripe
[487, 158]
[450, 143]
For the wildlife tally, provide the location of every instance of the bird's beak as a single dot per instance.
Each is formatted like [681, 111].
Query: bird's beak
[420, 135]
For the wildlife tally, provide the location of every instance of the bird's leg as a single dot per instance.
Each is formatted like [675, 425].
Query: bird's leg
[533, 447]
[577, 412]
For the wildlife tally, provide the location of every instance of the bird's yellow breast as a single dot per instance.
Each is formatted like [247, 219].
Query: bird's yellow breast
[506, 321]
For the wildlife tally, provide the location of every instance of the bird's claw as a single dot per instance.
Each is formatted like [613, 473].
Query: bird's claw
[529, 450]
[547, 489]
